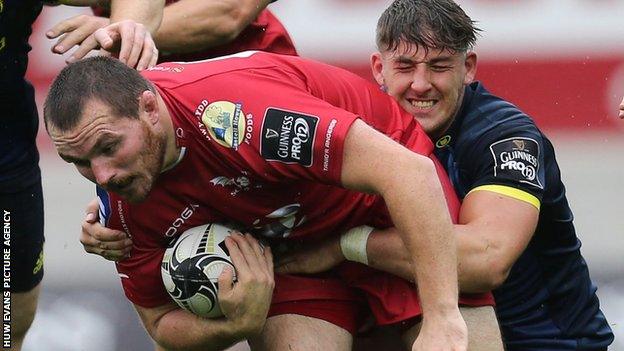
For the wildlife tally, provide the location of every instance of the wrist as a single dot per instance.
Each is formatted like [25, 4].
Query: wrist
[353, 244]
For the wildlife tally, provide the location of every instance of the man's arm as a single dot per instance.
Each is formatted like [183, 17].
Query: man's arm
[245, 304]
[190, 25]
[147, 12]
[373, 162]
[164, 322]
[494, 231]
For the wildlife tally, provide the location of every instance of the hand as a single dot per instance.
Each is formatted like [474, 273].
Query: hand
[315, 259]
[113, 245]
[77, 30]
[131, 41]
[442, 333]
[621, 114]
[246, 303]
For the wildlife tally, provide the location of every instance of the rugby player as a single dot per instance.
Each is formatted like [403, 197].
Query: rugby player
[21, 199]
[515, 233]
[167, 143]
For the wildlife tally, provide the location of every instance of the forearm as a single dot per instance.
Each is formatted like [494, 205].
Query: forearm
[147, 12]
[386, 252]
[419, 212]
[190, 26]
[181, 330]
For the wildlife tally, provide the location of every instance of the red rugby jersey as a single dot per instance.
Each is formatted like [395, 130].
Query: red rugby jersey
[263, 139]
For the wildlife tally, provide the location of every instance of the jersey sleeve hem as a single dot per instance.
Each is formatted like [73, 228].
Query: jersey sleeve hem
[511, 192]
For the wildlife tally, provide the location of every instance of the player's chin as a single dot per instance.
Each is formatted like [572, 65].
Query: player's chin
[138, 194]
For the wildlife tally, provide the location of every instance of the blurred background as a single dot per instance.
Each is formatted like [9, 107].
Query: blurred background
[562, 61]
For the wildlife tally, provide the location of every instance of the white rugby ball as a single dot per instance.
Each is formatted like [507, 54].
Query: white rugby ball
[191, 267]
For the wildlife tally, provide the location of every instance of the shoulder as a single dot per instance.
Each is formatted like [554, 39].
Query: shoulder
[488, 118]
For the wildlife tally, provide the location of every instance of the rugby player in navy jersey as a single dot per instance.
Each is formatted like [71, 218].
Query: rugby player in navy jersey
[21, 200]
[516, 235]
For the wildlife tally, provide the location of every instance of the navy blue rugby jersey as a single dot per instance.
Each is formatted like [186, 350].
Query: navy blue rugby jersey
[548, 301]
[18, 113]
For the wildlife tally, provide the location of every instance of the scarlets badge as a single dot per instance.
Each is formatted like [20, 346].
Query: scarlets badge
[225, 123]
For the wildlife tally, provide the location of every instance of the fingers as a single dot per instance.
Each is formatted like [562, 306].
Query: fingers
[268, 256]
[93, 207]
[149, 55]
[236, 255]
[256, 247]
[621, 114]
[111, 244]
[136, 46]
[126, 31]
[59, 29]
[106, 38]
[133, 43]
[225, 282]
[154, 59]
[75, 31]
[83, 49]
[258, 264]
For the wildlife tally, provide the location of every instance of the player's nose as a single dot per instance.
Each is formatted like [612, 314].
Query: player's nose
[420, 81]
[102, 172]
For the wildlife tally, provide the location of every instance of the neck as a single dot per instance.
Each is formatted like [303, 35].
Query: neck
[172, 151]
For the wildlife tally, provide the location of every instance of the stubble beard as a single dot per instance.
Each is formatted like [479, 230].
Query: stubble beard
[151, 162]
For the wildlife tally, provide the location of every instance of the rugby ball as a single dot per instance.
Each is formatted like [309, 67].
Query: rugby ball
[191, 267]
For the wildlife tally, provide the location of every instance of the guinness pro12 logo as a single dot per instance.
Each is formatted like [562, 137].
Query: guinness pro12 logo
[517, 159]
[288, 137]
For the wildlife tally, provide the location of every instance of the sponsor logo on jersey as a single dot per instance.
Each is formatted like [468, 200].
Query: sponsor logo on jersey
[38, 264]
[224, 122]
[288, 137]
[174, 69]
[122, 218]
[280, 223]
[184, 216]
[235, 184]
[443, 141]
[327, 145]
[517, 159]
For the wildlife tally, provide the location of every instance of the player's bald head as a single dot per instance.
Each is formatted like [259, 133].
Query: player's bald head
[427, 24]
[102, 78]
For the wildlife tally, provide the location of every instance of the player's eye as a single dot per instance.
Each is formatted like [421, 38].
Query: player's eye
[440, 68]
[404, 67]
[109, 149]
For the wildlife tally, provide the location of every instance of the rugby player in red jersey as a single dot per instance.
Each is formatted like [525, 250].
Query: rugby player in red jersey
[291, 128]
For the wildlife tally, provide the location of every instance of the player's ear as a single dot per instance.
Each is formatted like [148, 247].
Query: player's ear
[148, 106]
[471, 67]
[377, 68]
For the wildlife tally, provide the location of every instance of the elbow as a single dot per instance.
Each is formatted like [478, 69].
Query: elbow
[421, 169]
[236, 19]
[497, 274]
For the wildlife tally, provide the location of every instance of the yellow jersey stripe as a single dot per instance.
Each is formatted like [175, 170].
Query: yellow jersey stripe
[511, 192]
